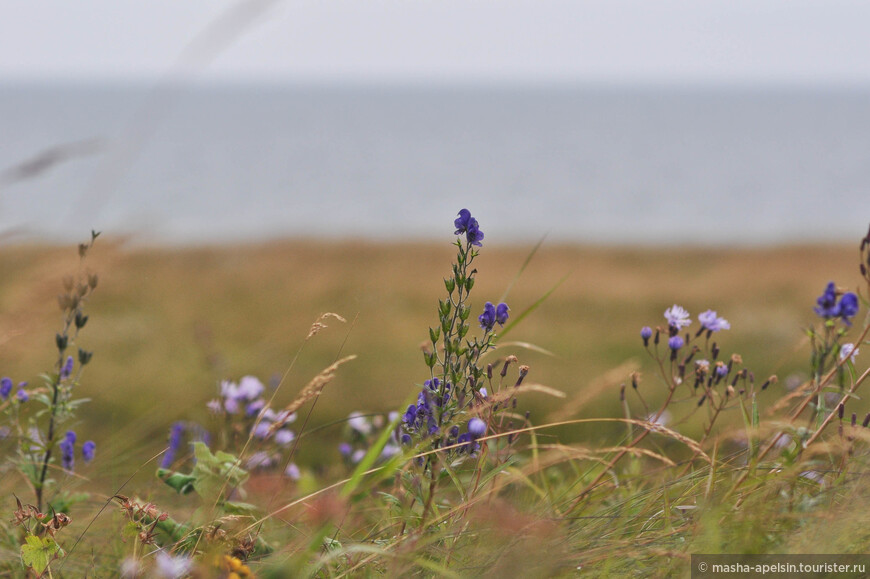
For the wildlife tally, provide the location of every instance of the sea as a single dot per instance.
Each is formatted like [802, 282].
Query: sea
[190, 164]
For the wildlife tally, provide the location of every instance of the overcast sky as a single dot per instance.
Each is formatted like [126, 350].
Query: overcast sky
[804, 41]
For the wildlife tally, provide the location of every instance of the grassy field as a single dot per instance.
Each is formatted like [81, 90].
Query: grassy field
[166, 325]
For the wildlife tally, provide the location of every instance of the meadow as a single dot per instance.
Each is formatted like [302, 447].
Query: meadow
[568, 460]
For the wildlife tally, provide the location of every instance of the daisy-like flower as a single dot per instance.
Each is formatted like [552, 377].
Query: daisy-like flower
[712, 323]
[677, 317]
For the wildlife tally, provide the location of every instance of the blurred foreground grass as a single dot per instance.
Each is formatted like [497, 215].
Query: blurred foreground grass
[168, 324]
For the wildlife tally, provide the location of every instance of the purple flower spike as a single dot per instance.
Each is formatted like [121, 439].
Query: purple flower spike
[5, 388]
[67, 368]
[175, 434]
[67, 451]
[488, 317]
[89, 448]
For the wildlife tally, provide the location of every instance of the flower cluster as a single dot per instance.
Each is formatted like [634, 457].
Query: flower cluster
[492, 315]
[829, 307]
[6, 386]
[679, 318]
[245, 397]
[67, 451]
[468, 225]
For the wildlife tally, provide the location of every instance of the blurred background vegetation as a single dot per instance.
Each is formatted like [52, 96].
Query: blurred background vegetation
[167, 325]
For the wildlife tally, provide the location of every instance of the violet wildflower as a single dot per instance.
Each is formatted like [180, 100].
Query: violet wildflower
[284, 437]
[172, 567]
[468, 225]
[848, 352]
[67, 451]
[67, 369]
[646, 334]
[677, 317]
[5, 388]
[292, 472]
[675, 343]
[848, 306]
[254, 407]
[487, 318]
[358, 422]
[476, 427]
[259, 460]
[826, 304]
[501, 313]
[250, 388]
[176, 431]
[22, 394]
[712, 323]
[89, 448]
[345, 449]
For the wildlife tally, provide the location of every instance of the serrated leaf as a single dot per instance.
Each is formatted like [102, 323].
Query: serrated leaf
[37, 553]
[131, 529]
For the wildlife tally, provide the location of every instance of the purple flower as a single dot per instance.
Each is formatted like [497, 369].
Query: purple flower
[468, 225]
[828, 307]
[176, 431]
[89, 448]
[254, 407]
[345, 449]
[22, 394]
[259, 459]
[5, 388]
[826, 304]
[250, 388]
[710, 322]
[677, 317]
[646, 334]
[501, 313]
[67, 368]
[848, 306]
[476, 427]
[292, 472]
[171, 567]
[487, 318]
[675, 343]
[67, 451]
[848, 351]
[284, 437]
[462, 221]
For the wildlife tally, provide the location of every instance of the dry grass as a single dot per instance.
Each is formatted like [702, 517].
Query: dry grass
[167, 325]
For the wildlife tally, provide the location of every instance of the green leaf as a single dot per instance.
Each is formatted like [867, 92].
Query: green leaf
[37, 553]
[182, 483]
[215, 473]
[245, 509]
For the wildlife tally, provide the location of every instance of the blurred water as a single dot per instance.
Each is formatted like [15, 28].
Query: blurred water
[606, 165]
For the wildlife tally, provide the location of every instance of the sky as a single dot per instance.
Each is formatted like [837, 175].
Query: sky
[620, 41]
